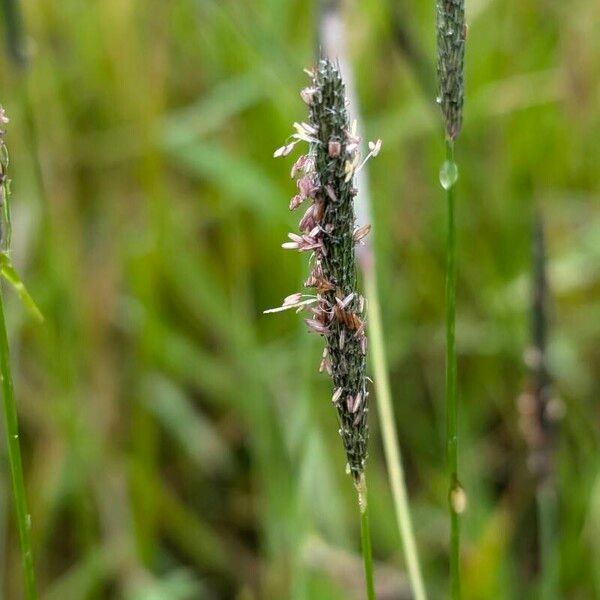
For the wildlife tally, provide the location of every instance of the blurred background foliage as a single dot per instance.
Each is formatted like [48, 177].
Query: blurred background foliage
[178, 443]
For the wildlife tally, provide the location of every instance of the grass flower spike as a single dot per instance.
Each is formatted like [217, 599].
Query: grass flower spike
[451, 36]
[324, 178]
[325, 182]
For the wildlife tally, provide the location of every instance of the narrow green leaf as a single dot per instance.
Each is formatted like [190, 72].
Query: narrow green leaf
[186, 424]
[12, 277]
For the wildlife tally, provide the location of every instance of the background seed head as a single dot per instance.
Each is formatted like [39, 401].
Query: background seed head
[451, 34]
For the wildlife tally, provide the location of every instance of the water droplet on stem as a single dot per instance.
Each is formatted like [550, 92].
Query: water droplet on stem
[448, 174]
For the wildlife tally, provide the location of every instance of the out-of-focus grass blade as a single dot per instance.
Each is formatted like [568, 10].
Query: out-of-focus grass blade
[178, 356]
[187, 362]
[213, 110]
[197, 288]
[14, 30]
[102, 563]
[82, 578]
[593, 529]
[186, 424]
[319, 491]
[185, 529]
[12, 277]
[208, 114]
[483, 569]
[573, 270]
[176, 585]
[262, 44]
[242, 180]
[516, 93]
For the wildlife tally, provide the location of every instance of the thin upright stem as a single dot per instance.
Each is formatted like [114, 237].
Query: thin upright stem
[546, 505]
[541, 441]
[15, 37]
[387, 421]
[16, 46]
[451, 397]
[332, 42]
[16, 463]
[365, 536]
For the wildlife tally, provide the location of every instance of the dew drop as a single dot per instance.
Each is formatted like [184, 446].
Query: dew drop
[438, 100]
[448, 174]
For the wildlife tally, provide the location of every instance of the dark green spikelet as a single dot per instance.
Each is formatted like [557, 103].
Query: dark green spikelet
[336, 156]
[328, 230]
[451, 35]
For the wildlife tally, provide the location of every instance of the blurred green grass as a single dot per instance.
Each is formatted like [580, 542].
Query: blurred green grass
[178, 443]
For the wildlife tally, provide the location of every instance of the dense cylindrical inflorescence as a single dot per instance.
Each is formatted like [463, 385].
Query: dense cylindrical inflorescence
[451, 36]
[328, 230]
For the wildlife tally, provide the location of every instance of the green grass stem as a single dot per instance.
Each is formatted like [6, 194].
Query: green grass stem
[365, 536]
[547, 517]
[451, 396]
[389, 434]
[331, 21]
[16, 463]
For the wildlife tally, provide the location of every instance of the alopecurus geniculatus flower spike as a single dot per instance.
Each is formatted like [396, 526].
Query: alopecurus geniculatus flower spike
[325, 181]
[451, 36]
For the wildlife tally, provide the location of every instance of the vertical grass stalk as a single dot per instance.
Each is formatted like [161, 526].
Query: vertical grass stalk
[387, 421]
[325, 178]
[10, 409]
[451, 35]
[332, 42]
[451, 398]
[547, 542]
[539, 411]
[546, 410]
[15, 461]
[365, 536]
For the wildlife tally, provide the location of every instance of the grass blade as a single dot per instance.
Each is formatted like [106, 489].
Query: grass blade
[15, 460]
